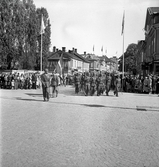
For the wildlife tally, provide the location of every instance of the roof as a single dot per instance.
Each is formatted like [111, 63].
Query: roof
[153, 10]
[92, 57]
[106, 59]
[150, 12]
[81, 57]
[66, 55]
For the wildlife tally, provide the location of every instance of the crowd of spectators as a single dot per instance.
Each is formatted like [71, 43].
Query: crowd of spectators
[19, 81]
[140, 84]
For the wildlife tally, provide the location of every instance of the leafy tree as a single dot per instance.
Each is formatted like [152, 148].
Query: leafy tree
[19, 34]
[129, 59]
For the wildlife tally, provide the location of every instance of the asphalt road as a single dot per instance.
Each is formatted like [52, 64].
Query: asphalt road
[78, 131]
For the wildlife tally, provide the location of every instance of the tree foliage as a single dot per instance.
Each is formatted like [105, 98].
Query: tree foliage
[20, 34]
[129, 59]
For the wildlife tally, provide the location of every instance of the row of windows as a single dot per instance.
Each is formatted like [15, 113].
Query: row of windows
[152, 46]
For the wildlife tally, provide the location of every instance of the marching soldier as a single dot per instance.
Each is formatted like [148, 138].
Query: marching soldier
[54, 85]
[117, 85]
[100, 85]
[77, 83]
[45, 80]
[92, 84]
[86, 84]
[82, 81]
[108, 83]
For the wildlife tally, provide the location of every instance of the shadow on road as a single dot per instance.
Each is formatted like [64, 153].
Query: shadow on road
[19, 98]
[34, 94]
[138, 108]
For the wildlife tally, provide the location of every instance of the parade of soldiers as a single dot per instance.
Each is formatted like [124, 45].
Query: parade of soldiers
[89, 83]
[102, 82]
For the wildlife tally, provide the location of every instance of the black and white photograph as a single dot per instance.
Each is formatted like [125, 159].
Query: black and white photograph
[79, 83]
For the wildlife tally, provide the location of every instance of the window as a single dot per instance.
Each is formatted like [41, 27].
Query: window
[154, 44]
[152, 47]
[149, 51]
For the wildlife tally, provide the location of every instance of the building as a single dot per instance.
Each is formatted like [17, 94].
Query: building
[94, 61]
[151, 47]
[141, 65]
[64, 62]
[113, 64]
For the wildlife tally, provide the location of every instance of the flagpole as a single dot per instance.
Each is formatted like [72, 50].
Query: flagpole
[123, 31]
[93, 49]
[41, 66]
[41, 55]
[123, 63]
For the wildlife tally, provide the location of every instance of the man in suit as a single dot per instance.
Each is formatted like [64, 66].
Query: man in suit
[45, 80]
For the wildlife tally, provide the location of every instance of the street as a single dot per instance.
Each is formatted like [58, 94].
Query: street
[78, 131]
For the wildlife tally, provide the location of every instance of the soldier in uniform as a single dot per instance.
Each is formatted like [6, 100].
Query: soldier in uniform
[92, 84]
[100, 84]
[77, 83]
[108, 83]
[82, 81]
[117, 85]
[45, 80]
[87, 84]
[54, 83]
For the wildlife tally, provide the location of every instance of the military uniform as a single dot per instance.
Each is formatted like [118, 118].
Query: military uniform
[100, 85]
[54, 86]
[45, 80]
[117, 85]
[87, 85]
[108, 84]
[77, 83]
[92, 85]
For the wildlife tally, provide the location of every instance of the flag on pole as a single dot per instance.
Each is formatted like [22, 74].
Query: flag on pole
[93, 48]
[42, 31]
[102, 49]
[60, 66]
[123, 23]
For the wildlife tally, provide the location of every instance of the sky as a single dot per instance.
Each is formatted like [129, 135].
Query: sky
[82, 24]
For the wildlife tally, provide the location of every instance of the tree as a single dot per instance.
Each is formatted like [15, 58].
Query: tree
[129, 59]
[19, 34]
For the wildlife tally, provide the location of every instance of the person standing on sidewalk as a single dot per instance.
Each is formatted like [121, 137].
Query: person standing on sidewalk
[157, 85]
[45, 80]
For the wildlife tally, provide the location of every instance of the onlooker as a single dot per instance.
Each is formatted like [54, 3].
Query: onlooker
[157, 85]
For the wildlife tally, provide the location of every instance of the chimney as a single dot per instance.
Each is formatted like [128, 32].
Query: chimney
[64, 49]
[84, 53]
[70, 51]
[54, 49]
[75, 50]
[57, 50]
